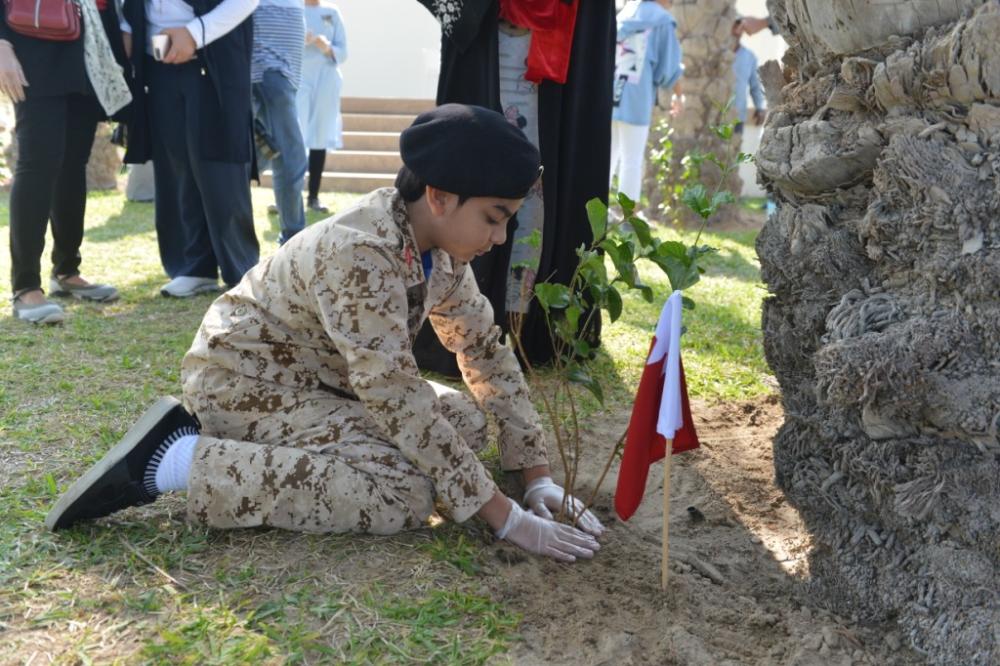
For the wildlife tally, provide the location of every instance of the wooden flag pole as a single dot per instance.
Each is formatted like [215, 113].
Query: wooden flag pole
[664, 564]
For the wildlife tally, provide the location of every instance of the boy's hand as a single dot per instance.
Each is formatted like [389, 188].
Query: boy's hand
[182, 46]
[546, 537]
[543, 496]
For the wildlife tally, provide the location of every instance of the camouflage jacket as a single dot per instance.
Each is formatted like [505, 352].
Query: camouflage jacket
[338, 307]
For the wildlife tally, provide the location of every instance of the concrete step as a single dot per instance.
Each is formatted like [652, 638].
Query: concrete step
[376, 122]
[385, 105]
[363, 161]
[334, 181]
[371, 141]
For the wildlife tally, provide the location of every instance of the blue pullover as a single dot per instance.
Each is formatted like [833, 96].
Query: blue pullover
[648, 56]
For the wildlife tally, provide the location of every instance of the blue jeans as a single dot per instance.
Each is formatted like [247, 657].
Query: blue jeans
[274, 106]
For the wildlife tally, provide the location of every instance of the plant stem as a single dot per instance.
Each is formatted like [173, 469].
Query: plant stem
[607, 467]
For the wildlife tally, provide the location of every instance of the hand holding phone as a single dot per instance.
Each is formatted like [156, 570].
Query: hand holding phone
[161, 46]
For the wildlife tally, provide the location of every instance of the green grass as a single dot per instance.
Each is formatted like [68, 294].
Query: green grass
[157, 590]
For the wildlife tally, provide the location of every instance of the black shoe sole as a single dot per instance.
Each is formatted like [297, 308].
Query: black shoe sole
[136, 433]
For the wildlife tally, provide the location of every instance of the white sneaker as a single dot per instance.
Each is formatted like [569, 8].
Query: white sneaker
[184, 286]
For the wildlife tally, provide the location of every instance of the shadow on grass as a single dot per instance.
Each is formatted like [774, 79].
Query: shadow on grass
[728, 261]
[134, 218]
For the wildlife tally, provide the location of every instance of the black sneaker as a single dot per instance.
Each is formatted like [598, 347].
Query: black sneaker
[120, 479]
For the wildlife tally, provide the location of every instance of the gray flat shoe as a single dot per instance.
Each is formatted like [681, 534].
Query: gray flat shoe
[99, 293]
[45, 313]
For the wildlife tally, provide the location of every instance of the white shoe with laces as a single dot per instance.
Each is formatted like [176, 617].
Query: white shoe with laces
[184, 286]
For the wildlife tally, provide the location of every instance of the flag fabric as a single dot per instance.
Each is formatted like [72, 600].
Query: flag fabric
[661, 411]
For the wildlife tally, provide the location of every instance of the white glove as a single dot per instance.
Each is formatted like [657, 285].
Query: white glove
[546, 537]
[543, 496]
[12, 81]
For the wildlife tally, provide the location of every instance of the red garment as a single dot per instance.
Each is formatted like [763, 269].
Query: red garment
[551, 23]
[643, 445]
[102, 5]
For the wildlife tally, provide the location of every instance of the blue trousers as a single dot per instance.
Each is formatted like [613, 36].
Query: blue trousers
[274, 107]
[204, 218]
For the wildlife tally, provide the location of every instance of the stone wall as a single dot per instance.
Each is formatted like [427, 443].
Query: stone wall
[883, 265]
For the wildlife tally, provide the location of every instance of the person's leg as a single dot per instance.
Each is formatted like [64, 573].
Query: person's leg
[221, 194]
[616, 148]
[276, 97]
[317, 160]
[633, 155]
[69, 199]
[181, 228]
[315, 463]
[41, 138]
[225, 200]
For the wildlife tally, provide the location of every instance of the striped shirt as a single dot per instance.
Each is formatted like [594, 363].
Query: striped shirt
[279, 36]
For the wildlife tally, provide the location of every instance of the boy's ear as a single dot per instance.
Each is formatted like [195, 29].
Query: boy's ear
[439, 201]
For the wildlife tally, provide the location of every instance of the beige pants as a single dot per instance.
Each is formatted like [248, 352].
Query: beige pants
[309, 461]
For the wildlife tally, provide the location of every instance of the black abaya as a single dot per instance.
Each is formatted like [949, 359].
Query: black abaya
[574, 122]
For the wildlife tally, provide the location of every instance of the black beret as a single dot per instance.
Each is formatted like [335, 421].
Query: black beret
[470, 151]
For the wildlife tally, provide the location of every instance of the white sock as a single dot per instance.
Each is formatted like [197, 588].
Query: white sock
[170, 466]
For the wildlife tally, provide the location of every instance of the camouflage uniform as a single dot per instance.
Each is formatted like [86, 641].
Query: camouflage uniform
[314, 415]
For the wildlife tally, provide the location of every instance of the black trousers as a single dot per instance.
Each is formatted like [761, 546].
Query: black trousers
[204, 218]
[54, 137]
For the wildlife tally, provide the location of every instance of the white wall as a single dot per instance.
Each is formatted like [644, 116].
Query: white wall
[394, 49]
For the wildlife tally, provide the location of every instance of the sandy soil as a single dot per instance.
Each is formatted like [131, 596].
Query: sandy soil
[738, 579]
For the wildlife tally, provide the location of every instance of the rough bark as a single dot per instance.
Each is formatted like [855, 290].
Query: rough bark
[703, 28]
[883, 266]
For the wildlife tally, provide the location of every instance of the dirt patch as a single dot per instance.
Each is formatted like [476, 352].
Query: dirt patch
[737, 588]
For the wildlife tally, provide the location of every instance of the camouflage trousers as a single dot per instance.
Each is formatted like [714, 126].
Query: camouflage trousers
[311, 461]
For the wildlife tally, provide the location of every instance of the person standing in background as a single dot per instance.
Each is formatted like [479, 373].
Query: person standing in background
[319, 95]
[276, 73]
[744, 77]
[60, 90]
[648, 57]
[560, 91]
[191, 115]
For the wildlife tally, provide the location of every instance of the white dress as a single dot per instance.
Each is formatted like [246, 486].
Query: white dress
[318, 98]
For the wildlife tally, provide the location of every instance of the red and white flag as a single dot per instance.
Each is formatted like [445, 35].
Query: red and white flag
[661, 411]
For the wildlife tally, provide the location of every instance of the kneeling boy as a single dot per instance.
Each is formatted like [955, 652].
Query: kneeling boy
[311, 413]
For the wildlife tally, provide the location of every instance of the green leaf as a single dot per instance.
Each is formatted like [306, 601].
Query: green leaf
[582, 348]
[534, 239]
[613, 302]
[641, 230]
[722, 198]
[573, 313]
[597, 214]
[621, 257]
[555, 296]
[593, 269]
[696, 198]
[672, 249]
[627, 204]
[687, 303]
[578, 375]
[680, 273]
